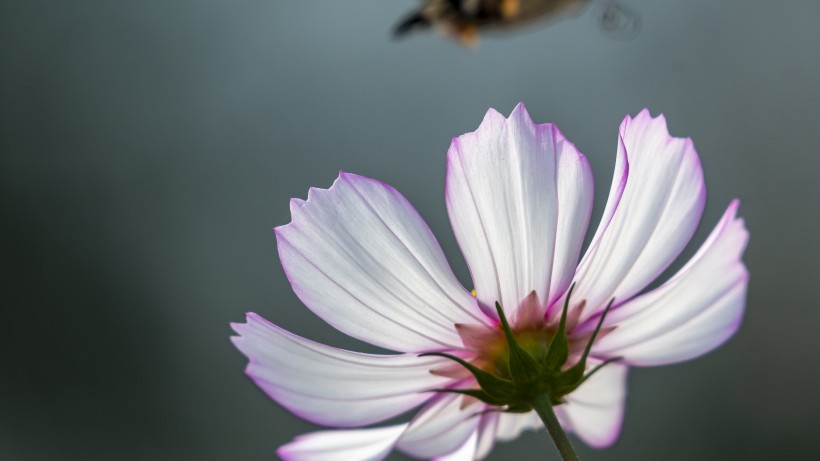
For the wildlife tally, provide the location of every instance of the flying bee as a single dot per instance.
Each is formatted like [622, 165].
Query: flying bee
[465, 20]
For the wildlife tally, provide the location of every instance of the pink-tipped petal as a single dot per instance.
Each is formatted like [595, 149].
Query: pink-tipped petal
[519, 197]
[441, 427]
[656, 214]
[331, 386]
[343, 445]
[360, 257]
[692, 313]
[594, 412]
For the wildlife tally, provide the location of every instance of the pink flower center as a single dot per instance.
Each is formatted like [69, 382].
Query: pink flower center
[515, 363]
[486, 346]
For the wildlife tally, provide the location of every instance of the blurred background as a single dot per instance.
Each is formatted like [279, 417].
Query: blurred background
[148, 148]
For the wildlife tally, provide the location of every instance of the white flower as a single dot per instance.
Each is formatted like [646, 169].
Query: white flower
[519, 196]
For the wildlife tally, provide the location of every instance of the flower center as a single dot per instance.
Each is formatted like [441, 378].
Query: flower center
[515, 367]
[493, 356]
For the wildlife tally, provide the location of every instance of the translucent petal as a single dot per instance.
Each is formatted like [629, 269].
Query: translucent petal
[441, 427]
[360, 257]
[594, 412]
[519, 197]
[332, 386]
[654, 207]
[467, 451]
[343, 445]
[692, 313]
[511, 425]
[486, 435]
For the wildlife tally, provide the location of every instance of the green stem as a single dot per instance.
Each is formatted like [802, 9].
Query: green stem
[543, 406]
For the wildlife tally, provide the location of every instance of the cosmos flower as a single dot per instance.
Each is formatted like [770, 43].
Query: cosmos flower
[519, 197]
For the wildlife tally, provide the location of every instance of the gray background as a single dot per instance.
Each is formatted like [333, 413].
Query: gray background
[148, 148]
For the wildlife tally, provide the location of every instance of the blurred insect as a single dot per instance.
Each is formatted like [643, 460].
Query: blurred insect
[465, 20]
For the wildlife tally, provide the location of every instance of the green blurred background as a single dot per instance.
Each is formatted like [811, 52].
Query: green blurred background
[148, 148]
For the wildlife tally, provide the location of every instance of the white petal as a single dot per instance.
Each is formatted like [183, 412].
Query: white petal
[441, 427]
[486, 435]
[467, 451]
[343, 445]
[331, 386]
[594, 412]
[511, 425]
[519, 197]
[360, 257]
[647, 225]
[691, 314]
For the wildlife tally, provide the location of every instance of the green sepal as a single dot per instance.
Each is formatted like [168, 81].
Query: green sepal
[569, 380]
[598, 367]
[597, 329]
[530, 379]
[558, 350]
[498, 409]
[523, 367]
[499, 388]
[477, 393]
[572, 382]
[574, 376]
